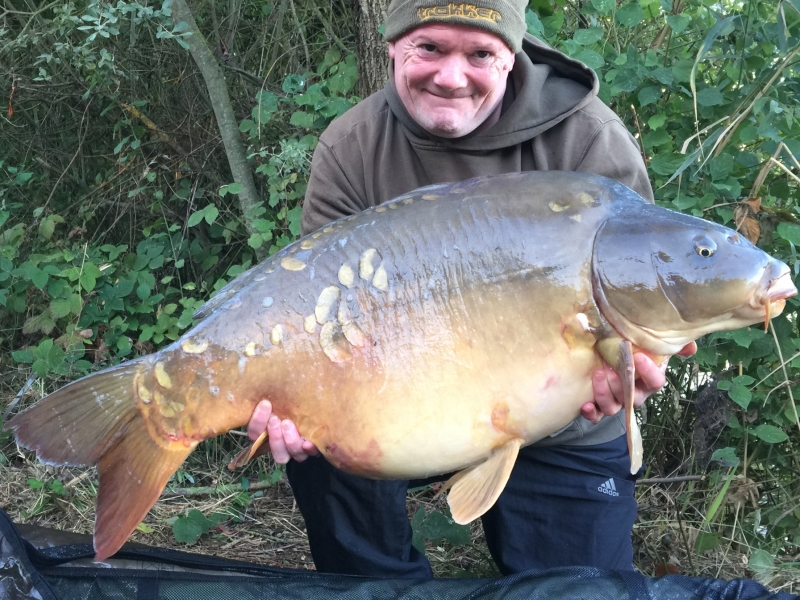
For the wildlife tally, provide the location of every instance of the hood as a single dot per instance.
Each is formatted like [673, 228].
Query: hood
[544, 88]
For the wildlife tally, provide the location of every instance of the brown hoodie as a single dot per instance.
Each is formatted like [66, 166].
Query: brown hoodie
[551, 120]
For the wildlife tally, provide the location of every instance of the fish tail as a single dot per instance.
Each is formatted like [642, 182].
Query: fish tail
[96, 421]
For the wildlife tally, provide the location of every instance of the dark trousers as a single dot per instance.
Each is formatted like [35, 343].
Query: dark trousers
[563, 506]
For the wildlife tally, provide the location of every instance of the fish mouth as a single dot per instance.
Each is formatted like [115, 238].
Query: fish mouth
[778, 287]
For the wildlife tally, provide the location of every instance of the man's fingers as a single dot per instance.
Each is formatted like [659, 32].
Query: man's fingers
[689, 349]
[293, 441]
[649, 375]
[590, 412]
[258, 422]
[607, 392]
[277, 445]
[309, 448]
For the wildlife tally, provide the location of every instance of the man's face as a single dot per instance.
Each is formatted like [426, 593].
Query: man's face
[450, 77]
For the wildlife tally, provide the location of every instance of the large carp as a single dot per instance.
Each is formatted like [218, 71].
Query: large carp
[438, 332]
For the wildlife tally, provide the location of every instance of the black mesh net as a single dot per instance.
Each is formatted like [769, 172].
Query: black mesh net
[138, 573]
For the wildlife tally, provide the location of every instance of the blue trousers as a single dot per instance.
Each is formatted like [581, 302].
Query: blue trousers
[563, 506]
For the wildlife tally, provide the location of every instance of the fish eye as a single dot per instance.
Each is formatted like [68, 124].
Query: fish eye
[704, 246]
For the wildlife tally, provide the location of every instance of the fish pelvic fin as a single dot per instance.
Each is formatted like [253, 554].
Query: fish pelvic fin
[474, 490]
[248, 453]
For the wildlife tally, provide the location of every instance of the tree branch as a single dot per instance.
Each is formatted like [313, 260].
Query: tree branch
[223, 110]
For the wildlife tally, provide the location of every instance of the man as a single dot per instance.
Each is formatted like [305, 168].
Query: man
[468, 96]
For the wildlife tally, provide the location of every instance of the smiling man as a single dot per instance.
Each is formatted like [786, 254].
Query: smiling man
[471, 94]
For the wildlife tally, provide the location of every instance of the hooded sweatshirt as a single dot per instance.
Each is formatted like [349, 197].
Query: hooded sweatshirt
[551, 119]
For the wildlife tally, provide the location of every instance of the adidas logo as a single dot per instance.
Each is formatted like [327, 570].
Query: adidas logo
[608, 488]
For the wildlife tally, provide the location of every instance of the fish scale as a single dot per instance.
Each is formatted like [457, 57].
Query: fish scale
[439, 332]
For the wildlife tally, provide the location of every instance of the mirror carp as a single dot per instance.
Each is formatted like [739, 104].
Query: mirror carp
[438, 332]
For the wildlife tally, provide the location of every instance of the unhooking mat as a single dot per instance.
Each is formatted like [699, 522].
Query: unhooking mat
[66, 572]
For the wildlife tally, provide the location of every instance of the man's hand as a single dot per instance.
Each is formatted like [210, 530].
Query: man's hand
[608, 395]
[284, 441]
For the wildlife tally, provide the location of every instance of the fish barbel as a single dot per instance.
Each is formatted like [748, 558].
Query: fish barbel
[435, 333]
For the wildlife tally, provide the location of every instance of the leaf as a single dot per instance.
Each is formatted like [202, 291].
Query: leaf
[603, 6]
[87, 281]
[187, 530]
[663, 75]
[649, 95]
[418, 541]
[438, 527]
[247, 125]
[60, 307]
[23, 356]
[722, 27]
[725, 457]
[627, 80]
[740, 394]
[591, 58]
[679, 23]
[42, 322]
[712, 510]
[144, 528]
[790, 232]
[195, 218]
[231, 188]
[92, 269]
[707, 541]
[585, 37]
[534, 25]
[293, 84]
[682, 70]
[630, 15]
[302, 119]
[657, 121]
[709, 97]
[770, 434]
[47, 226]
[22, 177]
[762, 564]
[39, 279]
[211, 212]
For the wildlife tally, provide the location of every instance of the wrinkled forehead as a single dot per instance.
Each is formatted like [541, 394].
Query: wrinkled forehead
[454, 34]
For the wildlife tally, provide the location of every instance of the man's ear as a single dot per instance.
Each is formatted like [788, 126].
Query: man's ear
[510, 62]
[391, 50]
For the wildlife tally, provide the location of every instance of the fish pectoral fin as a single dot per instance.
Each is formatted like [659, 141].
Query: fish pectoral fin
[618, 353]
[474, 490]
[627, 374]
[248, 453]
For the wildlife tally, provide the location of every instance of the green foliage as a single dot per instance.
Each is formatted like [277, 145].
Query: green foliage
[188, 529]
[48, 492]
[437, 527]
[310, 101]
